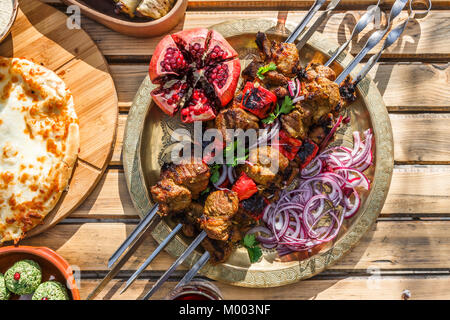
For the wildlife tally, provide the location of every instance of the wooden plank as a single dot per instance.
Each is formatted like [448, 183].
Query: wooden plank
[365, 288]
[419, 190]
[415, 190]
[393, 245]
[412, 86]
[418, 138]
[421, 137]
[423, 39]
[110, 200]
[288, 4]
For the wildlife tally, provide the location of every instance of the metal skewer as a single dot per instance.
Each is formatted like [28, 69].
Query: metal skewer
[331, 6]
[373, 40]
[194, 270]
[360, 26]
[161, 246]
[301, 26]
[392, 37]
[137, 232]
[175, 265]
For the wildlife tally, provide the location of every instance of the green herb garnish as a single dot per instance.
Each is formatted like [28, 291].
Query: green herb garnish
[231, 151]
[206, 191]
[215, 173]
[285, 108]
[250, 243]
[270, 67]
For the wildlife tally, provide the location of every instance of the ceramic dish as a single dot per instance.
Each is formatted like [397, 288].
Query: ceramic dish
[54, 267]
[148, 139]
[5, 32]
[103, 13]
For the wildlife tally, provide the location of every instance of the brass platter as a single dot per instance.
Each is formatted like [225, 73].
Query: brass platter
[147, 141]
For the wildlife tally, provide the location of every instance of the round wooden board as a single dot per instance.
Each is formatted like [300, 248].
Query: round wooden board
[40, 34]
[148, 134]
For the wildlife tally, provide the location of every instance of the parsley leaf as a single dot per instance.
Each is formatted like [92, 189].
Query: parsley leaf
[270, 67]
[215, 173]
[206, 191]
[285, 108]
[254, 254]
[250, 243]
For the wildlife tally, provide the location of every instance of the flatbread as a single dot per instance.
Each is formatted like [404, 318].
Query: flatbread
[39, 144]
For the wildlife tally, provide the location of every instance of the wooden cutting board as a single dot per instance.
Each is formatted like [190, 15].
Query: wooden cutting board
[40, 34]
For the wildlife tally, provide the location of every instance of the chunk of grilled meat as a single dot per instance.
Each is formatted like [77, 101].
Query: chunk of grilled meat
[280, 92]
[322, 94]
[284, 55]
[249, 73]
[235, 118]
[220, 207]
[220, 250]
[297, 123]
[170, 196]
[264, 163]
[191, 218]
[192, 174]
[315, 70]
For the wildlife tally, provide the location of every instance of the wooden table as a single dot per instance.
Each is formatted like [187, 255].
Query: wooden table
[409, 248]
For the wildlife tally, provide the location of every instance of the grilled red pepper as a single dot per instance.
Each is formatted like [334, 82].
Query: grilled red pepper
[245, 187]
[258, 100]
[287, 145]
[254, 206]
[306, 153]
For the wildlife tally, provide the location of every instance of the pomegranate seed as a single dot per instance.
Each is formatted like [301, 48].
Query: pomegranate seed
[44, 298]
[173, 60]
[17, 276]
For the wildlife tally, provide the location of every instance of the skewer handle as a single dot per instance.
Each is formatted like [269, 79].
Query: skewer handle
[373, 40]
[392, 37]
[360, 26]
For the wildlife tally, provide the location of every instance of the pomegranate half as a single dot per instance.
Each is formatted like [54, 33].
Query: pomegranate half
[197, 71]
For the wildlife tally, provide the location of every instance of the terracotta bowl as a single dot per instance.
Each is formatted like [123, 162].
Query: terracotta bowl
[53, 266]
[5, 32]
[103, 13]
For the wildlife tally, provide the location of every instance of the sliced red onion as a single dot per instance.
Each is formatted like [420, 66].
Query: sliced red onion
[331, 133]
[297, 99]
[223, 176]
[230, 174]
[327, 189]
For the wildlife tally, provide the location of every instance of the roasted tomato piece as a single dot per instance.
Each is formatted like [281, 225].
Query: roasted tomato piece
[254, 206]
[258, 100]
[287, 145]
[307, 152]
[199, 108]
[245, 187]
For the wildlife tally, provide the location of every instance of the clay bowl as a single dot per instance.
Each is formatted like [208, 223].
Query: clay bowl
[53, 266]
[103, 12]
[5, 33]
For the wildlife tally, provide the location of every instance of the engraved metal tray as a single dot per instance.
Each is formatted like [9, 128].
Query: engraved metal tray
[147, 144]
